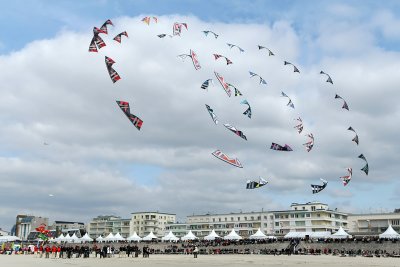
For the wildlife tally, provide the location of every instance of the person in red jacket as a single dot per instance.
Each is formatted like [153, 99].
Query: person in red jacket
[59, 251]
[54, 251]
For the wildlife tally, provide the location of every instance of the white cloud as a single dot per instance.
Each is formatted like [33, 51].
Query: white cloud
[54, 91]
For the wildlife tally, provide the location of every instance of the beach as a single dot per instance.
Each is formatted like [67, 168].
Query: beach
[202, 260]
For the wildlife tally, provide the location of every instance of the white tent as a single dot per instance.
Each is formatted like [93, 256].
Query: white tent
[110, 237]
[9, 238]
[60, 238]
[86, 238]
[323, 234]
[170, 237]
[212, 236]
[340, 234]
[100, 239]
[258, 235]
[389, 233]
[149, 237]
[73, 239]
[232, 236]
[189, 236]
[134, 237]
[118, 237]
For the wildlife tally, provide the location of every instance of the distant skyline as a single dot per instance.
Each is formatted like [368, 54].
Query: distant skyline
[68, 152]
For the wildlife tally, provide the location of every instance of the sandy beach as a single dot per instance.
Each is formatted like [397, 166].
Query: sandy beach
[202, 260]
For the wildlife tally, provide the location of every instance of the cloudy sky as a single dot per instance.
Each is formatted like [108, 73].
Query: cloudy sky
[95, 162]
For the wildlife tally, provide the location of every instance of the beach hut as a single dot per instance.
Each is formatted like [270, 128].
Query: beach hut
[189, 236]
[232, 236]
[149, 237]
[390, 233]
[340, 234]
[258, 235]
[86, 238]
[134, 237]
[213, 235]
[170, 237]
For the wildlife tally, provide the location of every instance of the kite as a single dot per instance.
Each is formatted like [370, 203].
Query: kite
[136, 121]
[237, 92]
[232, 45]
[118, 37]
[162, 35]
[207, 32]
[269, 51]
[113, 74]
[295, 69]
[309, 145]
[299, 126]
[355, 139]
[206, 83]
[248, 110]
[255, 184]
[235, 131]
[177, 28]
[96, 42]
[346, 179]
[228, 61]
[329, 80]
[278, 147]
[365, 168]
[147, 20]
[213, 116]
[345, 106]
[318, 188]
[193, 56]
[223, 83]
[222, 156]
[262, 81]
[43, 233]
[290, 103]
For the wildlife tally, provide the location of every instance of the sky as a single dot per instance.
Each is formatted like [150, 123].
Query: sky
[64, 135]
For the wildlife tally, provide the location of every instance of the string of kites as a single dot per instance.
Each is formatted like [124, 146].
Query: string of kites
[97, 43]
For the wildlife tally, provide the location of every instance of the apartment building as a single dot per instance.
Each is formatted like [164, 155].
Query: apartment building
[145, 222]
[103, 225]
[374, 223]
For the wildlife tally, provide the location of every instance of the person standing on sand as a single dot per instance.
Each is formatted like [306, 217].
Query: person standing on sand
[195, 251]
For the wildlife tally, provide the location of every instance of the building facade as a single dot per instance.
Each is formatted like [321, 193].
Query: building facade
[373, 223]
[145, 222]
[63, 227]
[103, 225]
[27, 223]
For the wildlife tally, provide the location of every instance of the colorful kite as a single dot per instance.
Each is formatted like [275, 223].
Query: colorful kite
[235, 131]
[44, 234]
[237, 92]
[96, 42]
[118, 37]
[269, 51]
[103, 28]
[232, 45]
[295, 69]
[177, 28]
[113, 74]
[148, 19]
[345, 106]
[299, 126]
[207, 32]
[346, 179]
[254, 184]
[309, 145]
[228, 61]
[318, 188]
[194, 58]
[262, 81]
[222, 156]
[277, 147]
[290, 103]
[355, 139]
[213, 116]
[206, 83]
[136, 121]
[329, 80]
[223, 83]
[365, 168]
[248, 110]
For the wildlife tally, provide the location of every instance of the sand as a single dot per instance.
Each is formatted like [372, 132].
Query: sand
[202, 260]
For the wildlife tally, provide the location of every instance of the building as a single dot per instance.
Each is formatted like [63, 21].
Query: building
[145, 222]
[178, 229]
[373, 223]
[307, 217]
[104, 225]
[67, 227]
[27, 223]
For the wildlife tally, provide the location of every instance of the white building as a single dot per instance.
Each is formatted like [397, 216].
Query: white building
[28, 223]
[145, 222]
[103, 225]
[373, 223]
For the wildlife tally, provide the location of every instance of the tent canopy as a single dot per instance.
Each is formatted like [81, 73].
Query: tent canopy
[110, 237]
[118, 237]
[323, 234]
[149, 237]
[212, 236]
[232, 236]
[9, 238]
[189, 236]
[100, 239]
[340, 234]
[260, 235]
[134, 237]
[170, 237]
[389, 233]
[86, 238]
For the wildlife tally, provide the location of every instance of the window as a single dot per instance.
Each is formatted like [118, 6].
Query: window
[286, 216]
[308, 215]
[277, 224]
[266, 217]
[312, 208]
[245, 218]
[226, 219]
[291, 215]
[231, 219]
[238, 218]
[219, 219]
[395, 222]
[295, 208]
[252, 218]
[276, 216]
[304, 208]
